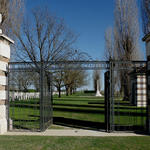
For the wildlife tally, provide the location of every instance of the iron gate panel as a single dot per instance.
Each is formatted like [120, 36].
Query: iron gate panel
[107, 101]
[29, 110]
[46, 117]
[119, 115]
[22, 103]
[128, 114]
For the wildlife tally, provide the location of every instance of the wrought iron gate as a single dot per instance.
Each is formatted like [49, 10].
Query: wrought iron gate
[107, 101]
[125, 111]
[29, 110]
[121, 111]
[46, 109]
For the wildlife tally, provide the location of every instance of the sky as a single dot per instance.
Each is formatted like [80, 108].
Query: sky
[87, 18]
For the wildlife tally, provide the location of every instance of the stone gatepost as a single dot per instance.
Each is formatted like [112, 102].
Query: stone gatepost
[4, 59]
[147, 41]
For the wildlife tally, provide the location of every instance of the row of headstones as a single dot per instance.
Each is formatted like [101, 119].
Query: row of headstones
[23, 96]
[56, 93]
[14, 96]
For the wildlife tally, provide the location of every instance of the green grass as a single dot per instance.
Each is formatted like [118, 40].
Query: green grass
[76, 107]
[73, 143]
[27, 118]
[57, 127]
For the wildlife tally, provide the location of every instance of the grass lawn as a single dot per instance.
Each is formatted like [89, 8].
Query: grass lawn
[58, 127]
[73, 143]
[74, 110]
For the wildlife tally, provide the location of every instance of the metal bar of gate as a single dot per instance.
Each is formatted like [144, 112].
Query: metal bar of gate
[107, 101]
[8, 101]
[111, 97]
[148, 97]
[41, 99]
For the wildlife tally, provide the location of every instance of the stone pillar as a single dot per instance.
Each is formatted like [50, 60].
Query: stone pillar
[146, 39]
[4, 59]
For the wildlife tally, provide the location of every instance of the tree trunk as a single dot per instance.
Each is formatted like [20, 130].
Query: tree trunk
[48, 76]
[59, 91]
[126, 87]
[48, 83]
[67, 91]
[74, 90]
[71, 91]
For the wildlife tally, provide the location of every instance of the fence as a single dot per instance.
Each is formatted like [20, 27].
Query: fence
[126, 96]
[29, 110]
[125, 109]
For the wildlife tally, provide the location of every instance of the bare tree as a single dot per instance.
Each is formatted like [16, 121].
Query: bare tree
[79, 80]
[122, 42]
[74, 79]
[58, 81]
[12, 12]
[71, 79]
[110, 51]
[126, 30]
[145, 8]
[35, 77]
[44, 39]
[126, 35]
[21, 81]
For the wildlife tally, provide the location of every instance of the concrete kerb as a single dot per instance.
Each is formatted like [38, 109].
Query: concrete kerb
[72, 132]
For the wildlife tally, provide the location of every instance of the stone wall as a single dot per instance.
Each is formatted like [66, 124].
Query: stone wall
[4, 59]
[141, 91]
[138, 88]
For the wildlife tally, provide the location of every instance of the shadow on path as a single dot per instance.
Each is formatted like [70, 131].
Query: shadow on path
[79, 123]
